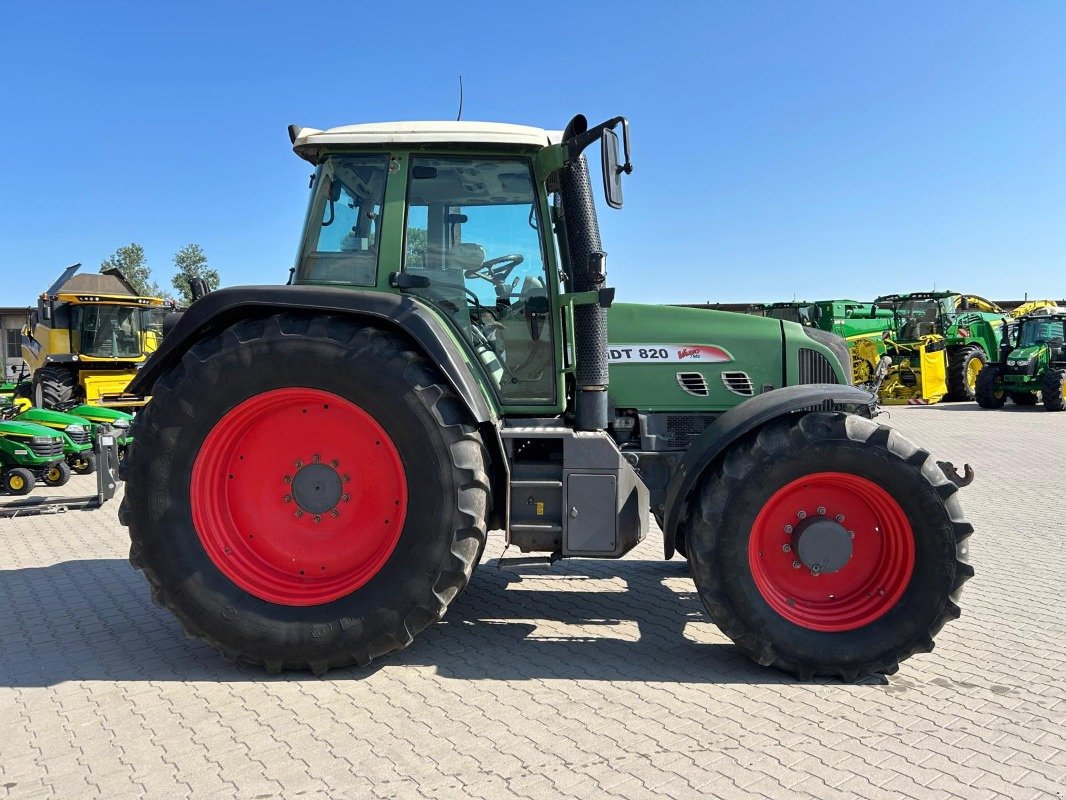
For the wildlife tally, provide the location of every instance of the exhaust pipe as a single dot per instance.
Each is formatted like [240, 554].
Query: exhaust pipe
[588, 265]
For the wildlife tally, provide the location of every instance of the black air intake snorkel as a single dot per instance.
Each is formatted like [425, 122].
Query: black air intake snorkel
[588, 267]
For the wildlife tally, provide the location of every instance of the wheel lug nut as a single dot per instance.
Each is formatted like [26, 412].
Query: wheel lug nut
[318, 519]
[816, 568]
[334, 463]
[299, 463]
[788, 529]
[787, 548]
[801, 514]
[316, 458]
[840, 517]
[287, 479]
[287, 498]
[334, 513]
[796, 565]
[299, 513]
[346, 497]
[346, 478]
[821, 510]
[851, 534]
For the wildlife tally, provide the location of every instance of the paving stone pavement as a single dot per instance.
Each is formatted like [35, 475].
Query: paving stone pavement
[587, 680]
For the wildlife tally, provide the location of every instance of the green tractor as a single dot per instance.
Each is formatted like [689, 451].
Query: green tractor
[30, 453]
[1035, 362]
[77, 433]
[970, 330]
[861, 325]
[313, 480]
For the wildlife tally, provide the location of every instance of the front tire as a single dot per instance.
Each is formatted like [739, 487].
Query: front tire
[56, 475]
[1024, 398]
[989, 392]
[84, 464]
[53, 387]
[964, 367]
[19, 481]
[230, 483]
[798, 487]
[1054, 390]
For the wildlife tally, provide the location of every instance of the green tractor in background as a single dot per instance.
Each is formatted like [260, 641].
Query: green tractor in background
[1034, 362]
[30, 453]
[315, 475]
[860, 324]
[967, 328]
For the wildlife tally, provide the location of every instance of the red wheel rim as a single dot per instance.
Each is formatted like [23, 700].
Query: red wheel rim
[298, 496]
[863, 586]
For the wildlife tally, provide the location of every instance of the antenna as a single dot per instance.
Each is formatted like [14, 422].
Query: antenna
[459, 116]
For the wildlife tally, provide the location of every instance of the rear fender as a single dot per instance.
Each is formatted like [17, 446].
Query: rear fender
[223, 307]
[715, 441]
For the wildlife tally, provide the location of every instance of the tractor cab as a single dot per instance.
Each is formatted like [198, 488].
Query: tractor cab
[86, 339]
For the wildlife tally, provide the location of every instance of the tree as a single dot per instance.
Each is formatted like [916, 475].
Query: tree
[192, 263]
[416, 246]
[130, 261]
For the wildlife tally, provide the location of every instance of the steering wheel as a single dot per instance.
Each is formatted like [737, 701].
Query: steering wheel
[496, 270]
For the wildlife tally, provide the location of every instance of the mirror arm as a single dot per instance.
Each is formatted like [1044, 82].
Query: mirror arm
[576, 143]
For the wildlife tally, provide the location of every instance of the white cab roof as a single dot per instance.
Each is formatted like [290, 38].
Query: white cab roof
[310, 141]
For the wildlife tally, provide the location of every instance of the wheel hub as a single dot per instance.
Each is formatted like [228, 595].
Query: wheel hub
[823, 545]
[317, 488]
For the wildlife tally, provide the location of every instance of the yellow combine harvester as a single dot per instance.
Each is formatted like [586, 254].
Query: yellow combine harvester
[88, 337]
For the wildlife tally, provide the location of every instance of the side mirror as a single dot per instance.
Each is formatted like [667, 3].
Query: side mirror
[816, 313]
[612, 172]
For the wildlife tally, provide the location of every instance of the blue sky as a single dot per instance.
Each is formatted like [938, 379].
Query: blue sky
[781, 149]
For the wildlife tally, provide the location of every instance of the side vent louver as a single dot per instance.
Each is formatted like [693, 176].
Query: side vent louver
[738, 383]
[693, 383]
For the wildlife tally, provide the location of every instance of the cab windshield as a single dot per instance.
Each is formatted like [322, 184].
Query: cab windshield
[791, 314]
[107, 331]
[1042, 332]
[917, 317]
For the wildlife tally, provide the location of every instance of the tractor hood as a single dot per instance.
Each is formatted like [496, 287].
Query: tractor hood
[1026, 354]
[10, 427]
[100, 414]
[663, 358]
[52, 419]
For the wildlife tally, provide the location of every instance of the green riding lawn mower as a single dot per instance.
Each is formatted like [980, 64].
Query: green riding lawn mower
[313, 480]
[30, 453]
[1032, 364]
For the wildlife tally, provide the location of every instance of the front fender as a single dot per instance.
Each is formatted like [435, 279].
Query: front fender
[218, 309]
[741, 420]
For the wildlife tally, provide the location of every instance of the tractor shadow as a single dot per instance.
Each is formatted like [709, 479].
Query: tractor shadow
[578, 620]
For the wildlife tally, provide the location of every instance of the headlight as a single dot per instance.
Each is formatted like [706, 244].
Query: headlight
[1012, 363]
[75, 429]
[42, 439]
[120, 423]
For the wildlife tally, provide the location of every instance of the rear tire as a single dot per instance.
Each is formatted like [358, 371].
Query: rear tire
[858, 633]
[964, 367]
[311, 623]
[56, 475]
[1054, 390]
[989, 392]
[1024, 398]
[53, 386]
[19, 481]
